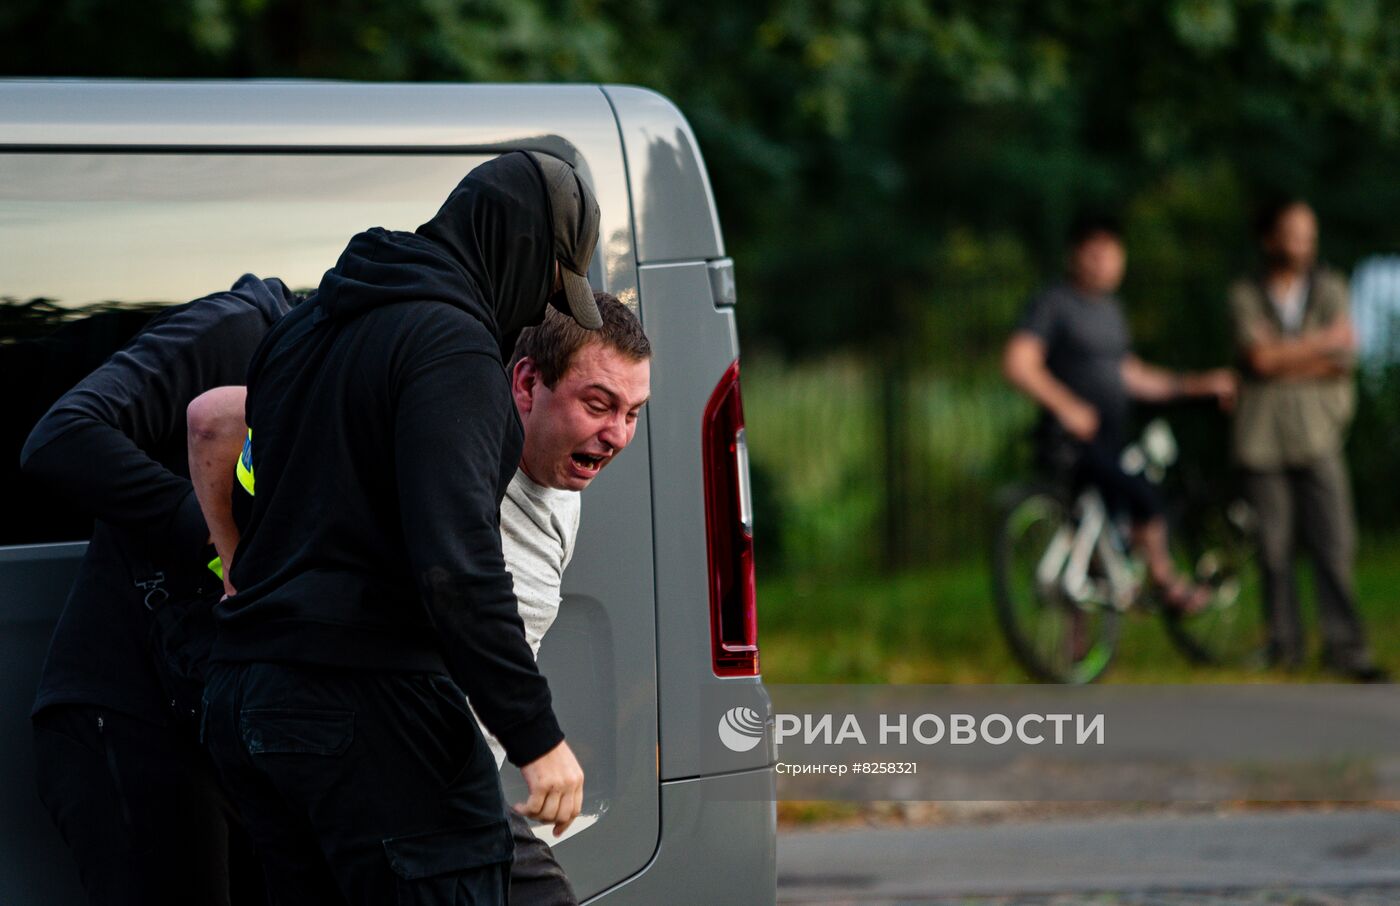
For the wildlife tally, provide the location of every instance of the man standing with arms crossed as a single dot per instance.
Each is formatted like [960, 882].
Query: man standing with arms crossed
[578, 394]
[1297, 347]
[372, 590]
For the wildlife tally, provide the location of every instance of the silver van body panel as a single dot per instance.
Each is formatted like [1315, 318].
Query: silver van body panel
[694, 343]
[675, 214]
[600, 658]
[734, 816]
[34, 866]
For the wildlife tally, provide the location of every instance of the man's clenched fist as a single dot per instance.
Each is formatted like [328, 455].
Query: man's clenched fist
[555, 782]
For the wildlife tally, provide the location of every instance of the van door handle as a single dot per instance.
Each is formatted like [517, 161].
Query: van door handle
[722, 282]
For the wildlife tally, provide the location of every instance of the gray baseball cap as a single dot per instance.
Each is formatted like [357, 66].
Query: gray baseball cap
[575, 216]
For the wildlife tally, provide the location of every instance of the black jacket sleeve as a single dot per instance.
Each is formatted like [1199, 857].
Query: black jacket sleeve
[451, 419]
[93, 446]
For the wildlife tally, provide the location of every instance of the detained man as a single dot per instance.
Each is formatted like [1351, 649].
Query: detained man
[371, 587]
[578, 394]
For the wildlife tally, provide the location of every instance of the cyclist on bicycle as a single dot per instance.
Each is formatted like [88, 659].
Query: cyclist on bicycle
[1072, 354]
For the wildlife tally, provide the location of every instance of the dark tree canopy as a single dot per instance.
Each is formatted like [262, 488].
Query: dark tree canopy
[894, 176]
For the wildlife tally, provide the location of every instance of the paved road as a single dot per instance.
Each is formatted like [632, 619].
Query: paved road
[1293, 896]
[1347, 858]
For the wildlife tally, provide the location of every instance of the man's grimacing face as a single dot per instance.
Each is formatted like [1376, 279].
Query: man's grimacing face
[576, 427]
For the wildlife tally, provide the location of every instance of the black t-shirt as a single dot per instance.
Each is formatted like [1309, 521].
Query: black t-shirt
[115, 445]
[1086, 340]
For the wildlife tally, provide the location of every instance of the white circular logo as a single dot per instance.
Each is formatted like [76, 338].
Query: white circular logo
[740, 729]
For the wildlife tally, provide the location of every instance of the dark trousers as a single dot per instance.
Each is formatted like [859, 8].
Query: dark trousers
[360, 787]
[139, 807]
[536, 878]
[1098, 465]
[1311, 504]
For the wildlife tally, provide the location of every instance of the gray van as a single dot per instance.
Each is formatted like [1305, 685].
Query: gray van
[119, 197]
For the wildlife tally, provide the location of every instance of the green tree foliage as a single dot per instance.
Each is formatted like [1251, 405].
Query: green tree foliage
[894, 176]
[908, 146]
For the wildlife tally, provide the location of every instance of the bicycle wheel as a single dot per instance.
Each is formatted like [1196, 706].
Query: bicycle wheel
[1053, 637]
[1219, 551]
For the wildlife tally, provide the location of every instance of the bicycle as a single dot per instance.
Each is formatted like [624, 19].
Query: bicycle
[1064, 573]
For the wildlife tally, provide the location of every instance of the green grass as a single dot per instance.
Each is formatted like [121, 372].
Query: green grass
[937, 625]
[816, 445]
[816, 440]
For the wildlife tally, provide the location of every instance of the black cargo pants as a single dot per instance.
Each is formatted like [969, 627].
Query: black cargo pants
[360, 787]
[536, 877]
[140, 808]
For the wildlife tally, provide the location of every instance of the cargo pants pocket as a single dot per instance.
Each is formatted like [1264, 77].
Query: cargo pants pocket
[269, 731]
[459, 867]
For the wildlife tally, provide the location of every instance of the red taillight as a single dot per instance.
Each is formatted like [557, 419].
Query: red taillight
[729, 531]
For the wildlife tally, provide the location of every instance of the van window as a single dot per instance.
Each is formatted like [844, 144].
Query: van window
[95, 243]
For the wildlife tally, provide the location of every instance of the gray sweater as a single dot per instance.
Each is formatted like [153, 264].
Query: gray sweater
[538, 526]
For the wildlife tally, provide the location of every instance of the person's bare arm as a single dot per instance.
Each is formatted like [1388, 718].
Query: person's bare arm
[1154, 384]
[216, 433]
[1316, 353]
[1320, 352]
[1150, 383]
[1325, 352]
[1316, 367]
[1023, 364]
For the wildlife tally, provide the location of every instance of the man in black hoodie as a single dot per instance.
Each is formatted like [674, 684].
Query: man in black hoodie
[371, 586]
[121, 771]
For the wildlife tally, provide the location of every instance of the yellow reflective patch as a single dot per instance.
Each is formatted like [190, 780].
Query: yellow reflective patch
[245, 464]
[216, 566]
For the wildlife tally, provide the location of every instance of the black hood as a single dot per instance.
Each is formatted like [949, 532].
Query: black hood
[488, 251]
[270, 296]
